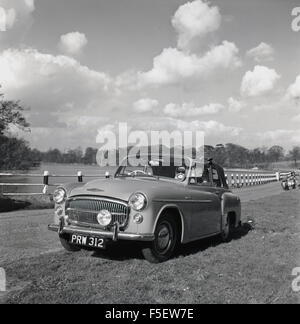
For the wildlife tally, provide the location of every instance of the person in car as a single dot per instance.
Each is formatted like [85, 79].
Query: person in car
[180, 173]
[214, 173]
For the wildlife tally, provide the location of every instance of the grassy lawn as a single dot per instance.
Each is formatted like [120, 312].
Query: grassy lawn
[255, 267]
[8, 204]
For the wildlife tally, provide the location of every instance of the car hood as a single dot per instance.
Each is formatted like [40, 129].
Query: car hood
[123, 188]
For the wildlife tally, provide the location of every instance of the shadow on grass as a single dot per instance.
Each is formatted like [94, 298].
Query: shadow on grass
[8, 205]
[204, 244]
[127, 250]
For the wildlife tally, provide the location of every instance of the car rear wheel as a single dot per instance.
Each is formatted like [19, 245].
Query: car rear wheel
[163, 246]
[227, 231]
[67, 246]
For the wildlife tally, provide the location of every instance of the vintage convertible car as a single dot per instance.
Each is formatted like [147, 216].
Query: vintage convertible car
[159, 206]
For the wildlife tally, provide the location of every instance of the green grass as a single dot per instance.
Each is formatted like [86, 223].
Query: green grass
[255, 267]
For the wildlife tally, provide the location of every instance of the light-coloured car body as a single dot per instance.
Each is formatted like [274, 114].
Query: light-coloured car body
[200, 209]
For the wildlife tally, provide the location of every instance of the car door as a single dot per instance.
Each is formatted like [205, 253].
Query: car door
[206, 208]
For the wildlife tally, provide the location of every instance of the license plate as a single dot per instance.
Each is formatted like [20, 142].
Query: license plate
[90, 241]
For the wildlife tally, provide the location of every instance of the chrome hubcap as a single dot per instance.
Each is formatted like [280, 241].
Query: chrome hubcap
[164, 237]
[226, 229]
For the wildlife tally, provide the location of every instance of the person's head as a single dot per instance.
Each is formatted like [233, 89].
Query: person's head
[210, 160]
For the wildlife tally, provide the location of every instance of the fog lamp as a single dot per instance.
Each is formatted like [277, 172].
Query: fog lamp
[104, 217]
[138, 218]
[59, 211]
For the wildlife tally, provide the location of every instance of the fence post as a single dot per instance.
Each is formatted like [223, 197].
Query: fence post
[226, 177]
[46, 178]
[79, 176]
[46, 182]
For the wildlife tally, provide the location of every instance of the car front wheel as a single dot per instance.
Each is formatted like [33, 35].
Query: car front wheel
[227, 231]
[163, 246]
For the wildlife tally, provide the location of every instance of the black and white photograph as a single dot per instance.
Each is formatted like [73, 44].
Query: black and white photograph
[149, 154]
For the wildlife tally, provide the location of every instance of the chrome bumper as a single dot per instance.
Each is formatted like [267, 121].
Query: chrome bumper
[110, 235]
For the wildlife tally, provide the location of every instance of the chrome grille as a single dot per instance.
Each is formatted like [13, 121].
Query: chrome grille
[84, 210]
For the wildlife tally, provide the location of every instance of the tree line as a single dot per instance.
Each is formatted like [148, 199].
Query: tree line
[16, 154]
[229, 155]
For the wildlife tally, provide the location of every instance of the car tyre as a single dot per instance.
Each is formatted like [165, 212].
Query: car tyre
[226, 234]
[165, 242]
[68, 246]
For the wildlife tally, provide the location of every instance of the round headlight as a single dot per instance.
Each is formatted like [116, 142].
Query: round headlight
[137, 201]
[59, 195]
[104, 218]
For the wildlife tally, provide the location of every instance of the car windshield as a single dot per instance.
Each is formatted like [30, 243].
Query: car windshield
[158, 167]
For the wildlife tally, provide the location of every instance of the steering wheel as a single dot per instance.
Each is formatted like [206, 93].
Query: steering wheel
[135, 172]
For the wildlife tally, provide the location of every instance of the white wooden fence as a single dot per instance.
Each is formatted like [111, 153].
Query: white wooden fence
[45, 181]
[235, 179]
[246, 178]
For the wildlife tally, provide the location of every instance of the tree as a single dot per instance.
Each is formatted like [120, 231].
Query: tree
[295, 154]
[90, 156]
[53, 155]
[14, 153]
[73, 156]
[275, 153]
[11, 114]
[237, 156]
[257, 156]
[219, 154]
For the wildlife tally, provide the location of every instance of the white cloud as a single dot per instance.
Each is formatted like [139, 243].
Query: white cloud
[283, 136]
[25, 68]
[13, 12]
[259, 81]
[235, 105]
[190, 110]
[73, 43]
[297, 119]
[145, 105]
[60, 92]
[173, 66]
[263, 52]
[30, 5]
[7, 19]
[213, 130]
[195, 19]
[293, 91]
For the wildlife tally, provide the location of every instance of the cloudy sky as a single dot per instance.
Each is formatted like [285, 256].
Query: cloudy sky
[227, 67]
